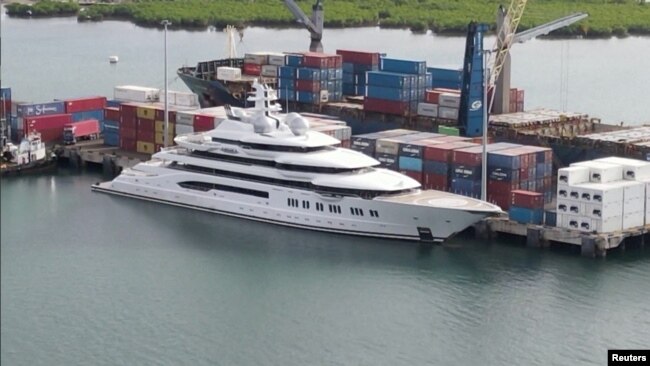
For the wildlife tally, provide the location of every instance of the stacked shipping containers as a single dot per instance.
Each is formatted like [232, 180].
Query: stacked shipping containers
[437, 162]
[311, 78]
[86, 108]
[440, 103]
[355, 65]
[527, 207]
[603, 195]
[111, 124]
[5, 111]
[397, 88]
[46, 118]
[516, 100]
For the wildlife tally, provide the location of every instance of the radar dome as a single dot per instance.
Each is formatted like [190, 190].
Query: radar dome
[297, 123]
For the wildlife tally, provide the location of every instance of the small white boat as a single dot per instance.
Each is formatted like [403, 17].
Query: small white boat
[113, 59]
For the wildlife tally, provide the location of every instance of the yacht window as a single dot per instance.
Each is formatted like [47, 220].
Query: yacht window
[204, 187]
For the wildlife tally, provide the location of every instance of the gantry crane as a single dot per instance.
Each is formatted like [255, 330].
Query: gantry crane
[314, 24]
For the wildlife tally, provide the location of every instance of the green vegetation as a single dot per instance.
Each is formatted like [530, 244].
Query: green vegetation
[43, 8]
[606, 17]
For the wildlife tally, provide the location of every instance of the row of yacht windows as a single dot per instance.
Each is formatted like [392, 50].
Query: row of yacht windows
[367, 194]
[204, 187]
[271, 163]
[248, 145]
[292, 202]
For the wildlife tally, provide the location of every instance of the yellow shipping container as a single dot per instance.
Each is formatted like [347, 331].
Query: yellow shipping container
[160, 138]
[160, 126]
[145, 147]
[146, 112]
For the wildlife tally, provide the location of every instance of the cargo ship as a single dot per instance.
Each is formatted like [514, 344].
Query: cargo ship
[261, 165]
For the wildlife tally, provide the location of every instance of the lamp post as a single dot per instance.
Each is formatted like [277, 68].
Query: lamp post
[165, 23]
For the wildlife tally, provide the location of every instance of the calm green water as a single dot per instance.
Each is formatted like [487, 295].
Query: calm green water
[93, 279]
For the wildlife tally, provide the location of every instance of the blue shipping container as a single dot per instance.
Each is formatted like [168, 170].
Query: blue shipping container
[526, 215]
[540, 170]
[435, 167]
[286, 84]
[285, 94]
[111, 126]
[500, 159]
[361, 69]
[429, 81]
[388, 79]
[395, 94]
[307, 73]
[113, 103]
[445, 84]
[409, 163]
[111, 139]
[403, 66]
[446, 74]
[348, 67]
[287, 72]
[308, 97]
[550, 218]
[294, 60]
[40, 109]
[466, 172]
[5, 93]
[503, 174]
[466, 187]
[82, 116]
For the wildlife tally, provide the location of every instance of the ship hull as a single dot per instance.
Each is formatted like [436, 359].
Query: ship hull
[212, 93]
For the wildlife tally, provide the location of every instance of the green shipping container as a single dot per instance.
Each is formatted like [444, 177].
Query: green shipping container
[450, 131]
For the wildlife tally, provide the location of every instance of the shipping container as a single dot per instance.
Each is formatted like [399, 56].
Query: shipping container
[312, 97]
[416, 175]
[84, 104]
[184, 129]
[438, 182]
[112, 114]
[402, 66]
[159, 138]
[145, 147]
[395, 94]
[526, 215]
[40, 109]
[113, 125]
[228, 73]
[573, 175]
[449, 131]
[443, 152]
[410, 164]
[415, 147]
[145, 135]
[388, 79]
[427, 109]
[252, 69]
[503, 174]
[600, 172]
[203, 122]
[388, 161]
[128, 144]
[38, 123]
[294, 60]
[472, 156]
[159, 126]
[256, 58]
[442, 74]
[632, 169]
[277, 59]
[136, 93]
[307, 73]
[128, 133]
[466, 172]
[436, 167]
[448, 113]
[111, 138]
[466, 187]
[527, 199]
[386, 106]
[359, 57]
[269, 71]
[450, 100]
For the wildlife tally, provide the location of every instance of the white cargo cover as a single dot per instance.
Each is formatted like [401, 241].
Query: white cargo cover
[228, 73]
[428, 109]
[608, 225]
[447, 112]
[270, 71]
[184, 129]
[600, 172]
[573, 175]
[449, 100]
[131, 93]
[632, 169]
[182, 99]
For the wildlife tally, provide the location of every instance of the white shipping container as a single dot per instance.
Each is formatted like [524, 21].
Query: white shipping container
[603, 211]
[563, 191]
[600, 172]
[270, 71]
[259, 58]
[324, 96]
[572, 175]
[185, 118]
[228, 73]
[387, 146]
[449, 100]
[277, 59]
[608, 225]
[632, 169]
[633, 206]
[447, 112]
[586, 224]
[605, 193]
[428, 109]
[632, 190]
[182, 99]
[184, 129]
[133, 93]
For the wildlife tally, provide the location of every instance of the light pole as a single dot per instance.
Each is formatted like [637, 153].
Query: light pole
[165, 23]
[485, 126]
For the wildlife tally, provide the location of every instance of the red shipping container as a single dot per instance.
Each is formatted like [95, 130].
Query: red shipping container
[160, 115]
[431, 96]
[84, 104]
[145, 136]
[128, 144]
[203, 123]
[112, 114]
[513, 107]
[358, 57]
[520, 96]
[501, 187]
[50, 134]
[527, 199]
[523, 174]
[334, 62]
[413, 174]
[308, 86]
[144, 124]
[520, 106]
[128, 111]
[386, 106]
[128, 133]
[46, 122]
[315, 59]
[501, 200]
[442, 152]
[252, 69]
[513, 95]
[435, 181]
[5, 107]
[128, 122]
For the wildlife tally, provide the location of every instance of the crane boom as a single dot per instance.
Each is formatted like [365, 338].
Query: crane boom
[314, 24]
[549, 27]
[506, 36]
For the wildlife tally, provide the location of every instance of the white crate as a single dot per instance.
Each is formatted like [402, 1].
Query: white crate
[447, 112]
[428, 109]
[450, 100]
[184, 129]
[185, 118]
[277, 59]
[600, 172]
[633, 219]
[602, 193]
[632, 169]
[133, 93]
[258, 58]
[573, 175]
[182, 99]
[603, 211]
[608, 225]
[228, 73]
[270, 71]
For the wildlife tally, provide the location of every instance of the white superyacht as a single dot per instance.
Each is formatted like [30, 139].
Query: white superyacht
[261, 165]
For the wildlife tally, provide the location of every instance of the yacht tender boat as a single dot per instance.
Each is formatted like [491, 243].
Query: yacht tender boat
[261, 165]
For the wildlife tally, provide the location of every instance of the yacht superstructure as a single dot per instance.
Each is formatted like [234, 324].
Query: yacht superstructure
[262, 165]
